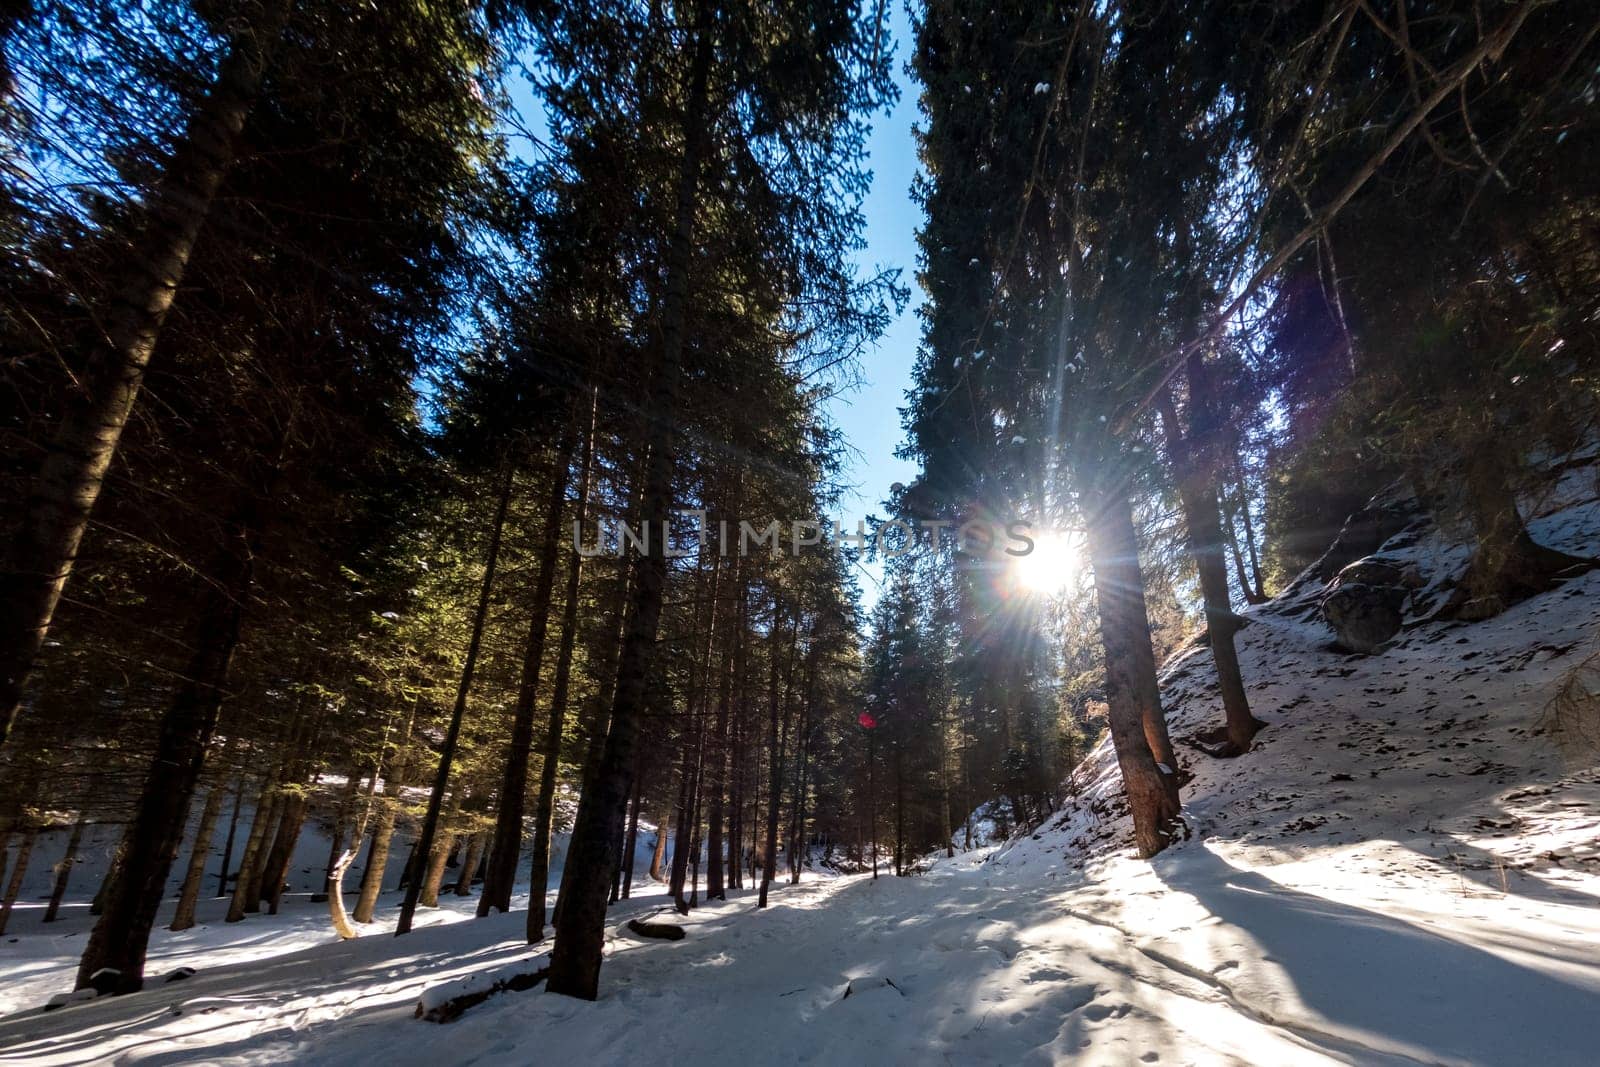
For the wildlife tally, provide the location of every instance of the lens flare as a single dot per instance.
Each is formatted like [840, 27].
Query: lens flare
[1052, 566]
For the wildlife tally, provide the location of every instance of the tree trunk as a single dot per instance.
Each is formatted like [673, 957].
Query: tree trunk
[631, 845]
[58, 891]
[377, 861]
[97, 906]
[544, 807]
[797, 830]
[719, 742]
[150, 845]
[276, 871]
[341, 863]
[250, 860]
[1251, 589]
[966, 802]
[740, 772]
[775, 773]
[1198, 497]
[694, 817]
[944, 784]
[253, 877]
[227, 848]
[506, 848]
[1138, 727]
[685, 845]
[691, 746]
[469, 865]
[409, 871]
[899, 812]
[383, 831]
[447, 750]
[247, 889]
[68, 480]
[872, 798]
[580, 933]
[336, 911]
[1250, 535]
[661, 845]
[199, 853]
[342, 821]
[594, 750]
[14, 884]
[1507, 565]
[1234, 552]
[434, 876]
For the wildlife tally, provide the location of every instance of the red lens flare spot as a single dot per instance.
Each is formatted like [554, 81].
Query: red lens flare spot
[866, 720]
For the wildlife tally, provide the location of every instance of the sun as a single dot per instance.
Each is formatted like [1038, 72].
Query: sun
[1053, 564]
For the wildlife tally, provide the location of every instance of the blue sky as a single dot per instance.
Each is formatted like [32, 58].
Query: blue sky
[870, 415]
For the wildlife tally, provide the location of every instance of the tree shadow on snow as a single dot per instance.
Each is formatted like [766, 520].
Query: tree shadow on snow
[1389, 983]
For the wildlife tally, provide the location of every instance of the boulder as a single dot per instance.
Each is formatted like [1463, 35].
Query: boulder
[1365, 601]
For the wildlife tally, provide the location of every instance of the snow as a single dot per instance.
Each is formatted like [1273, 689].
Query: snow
[1405, 870]
[39, 961]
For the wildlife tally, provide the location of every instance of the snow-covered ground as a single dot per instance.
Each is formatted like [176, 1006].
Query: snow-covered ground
[1405, 870]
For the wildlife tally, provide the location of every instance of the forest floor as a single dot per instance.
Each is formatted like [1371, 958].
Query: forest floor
[1405, 870]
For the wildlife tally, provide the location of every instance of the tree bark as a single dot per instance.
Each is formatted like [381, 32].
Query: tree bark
[775, 774]
[1197, 495]
[342, 821]
[276, 871]
[797, 830]
[377, 860]
[944, 784]
[899, 811]
[696, 793]
[719, 742]
[247, 889]
[1138, 726]
[1507, 564]
[447, 750]
[337, 914]
[680, 834]
[544, 807]
[150, 845]
[433, 878]
[199, 853]
[1259, 590]
[253, 875]
[631, 844]
[64, 870]
[67, 484]
[1250, 583]
[469, 865]
[506, 847]
[14, 884]
[1236, 554]
[250, 860]
[580, 933]
[227, 848]
[383, 830]
[660, 853]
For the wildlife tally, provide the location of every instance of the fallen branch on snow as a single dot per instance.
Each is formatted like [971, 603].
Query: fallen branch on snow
[663, 931]
[447, 1001]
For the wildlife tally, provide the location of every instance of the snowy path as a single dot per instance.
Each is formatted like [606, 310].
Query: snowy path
[1189, 961]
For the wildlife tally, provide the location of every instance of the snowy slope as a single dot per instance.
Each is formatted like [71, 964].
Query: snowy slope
[1405, 870]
